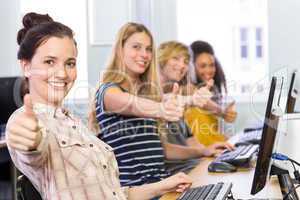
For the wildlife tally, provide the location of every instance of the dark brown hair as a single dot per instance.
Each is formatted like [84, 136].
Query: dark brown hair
[37, 29]
[198, 47]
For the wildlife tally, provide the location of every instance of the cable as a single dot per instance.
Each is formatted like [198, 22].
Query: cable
[279, 156]
[294, 161]
[290, 191]
[293, 165]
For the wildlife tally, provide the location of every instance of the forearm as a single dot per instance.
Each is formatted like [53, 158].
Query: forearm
[191, 141]
[214, 108]
[178, 152]
[124, 103]
[144, 192]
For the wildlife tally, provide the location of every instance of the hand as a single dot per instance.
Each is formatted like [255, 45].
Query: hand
[217, 148]
[172, 107]
[178, 183]
[23, 131]
[201, 97]
[210, 83]
[229, 113]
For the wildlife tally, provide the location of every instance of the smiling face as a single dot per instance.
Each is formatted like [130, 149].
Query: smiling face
[205, 66]
[51, 71]
[137, 54]
[175, 68]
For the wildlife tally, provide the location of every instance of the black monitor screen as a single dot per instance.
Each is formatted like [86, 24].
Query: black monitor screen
[292, 94]
[266, 143]
[10, 96]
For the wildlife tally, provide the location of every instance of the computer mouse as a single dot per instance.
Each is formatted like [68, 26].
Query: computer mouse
[222, 167]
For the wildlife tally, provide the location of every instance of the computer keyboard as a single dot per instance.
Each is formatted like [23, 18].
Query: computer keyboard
[240, 156]
[244, 138]
[217, 191]
[252, 137]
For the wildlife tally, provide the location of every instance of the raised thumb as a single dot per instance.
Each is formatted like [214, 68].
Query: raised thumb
[28, 105]
[175, 89]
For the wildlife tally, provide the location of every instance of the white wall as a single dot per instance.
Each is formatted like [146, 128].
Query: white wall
[160, 18]
[9, 19]
[284, 34]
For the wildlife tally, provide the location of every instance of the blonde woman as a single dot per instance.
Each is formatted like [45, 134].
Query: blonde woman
[128, 104]
[173, 59]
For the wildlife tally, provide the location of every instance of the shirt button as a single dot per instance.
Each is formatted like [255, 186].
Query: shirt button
[91, 145]
[63, 142]
[114, 193]
[74, 127]
[104, 166]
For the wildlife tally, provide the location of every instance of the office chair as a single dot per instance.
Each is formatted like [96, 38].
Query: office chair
[25, 190]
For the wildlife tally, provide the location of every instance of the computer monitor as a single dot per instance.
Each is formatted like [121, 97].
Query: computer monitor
[11, 96]
[292, 93]
[268, 138]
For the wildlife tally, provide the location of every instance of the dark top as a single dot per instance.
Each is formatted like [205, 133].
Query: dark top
[135, 141]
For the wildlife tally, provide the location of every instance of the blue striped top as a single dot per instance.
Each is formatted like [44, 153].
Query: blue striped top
[135, 141]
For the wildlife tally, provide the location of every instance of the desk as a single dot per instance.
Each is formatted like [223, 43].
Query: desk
[242, 182]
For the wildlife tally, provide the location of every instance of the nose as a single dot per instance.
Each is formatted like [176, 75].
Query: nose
[182, 64]
[145, 54]
[61, 72]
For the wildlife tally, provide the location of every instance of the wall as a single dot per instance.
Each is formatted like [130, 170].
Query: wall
[284, 34]
[8, 51]
[160, 18]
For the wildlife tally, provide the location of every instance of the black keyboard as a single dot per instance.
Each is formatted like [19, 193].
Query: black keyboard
[219, 191]
[240, 156]
[252, 137]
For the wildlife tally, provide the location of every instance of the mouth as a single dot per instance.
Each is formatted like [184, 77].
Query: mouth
[142, 63]
[58, 84]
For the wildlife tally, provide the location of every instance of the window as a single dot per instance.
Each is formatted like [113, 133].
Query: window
[236, 30]
[74, 15]
[244, 43]
[259, 43]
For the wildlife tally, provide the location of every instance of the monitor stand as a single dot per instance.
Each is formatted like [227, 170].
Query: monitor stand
[285, 182]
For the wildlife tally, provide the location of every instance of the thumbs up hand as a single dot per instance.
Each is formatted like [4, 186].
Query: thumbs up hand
[202, 96]
[230, 113]
[23, 131]
[210, 83]
[172, 107]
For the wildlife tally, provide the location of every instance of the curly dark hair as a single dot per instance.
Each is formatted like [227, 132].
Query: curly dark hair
[198, 47]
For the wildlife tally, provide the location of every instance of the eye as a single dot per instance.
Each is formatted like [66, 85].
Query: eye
[149, 49]
[136, 46]
[177, 58]
[71, 64]
[49, 62]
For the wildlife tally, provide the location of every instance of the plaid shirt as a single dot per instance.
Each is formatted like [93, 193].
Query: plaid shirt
[70, 162]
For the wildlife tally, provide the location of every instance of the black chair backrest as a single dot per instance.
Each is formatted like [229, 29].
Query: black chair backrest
[12, 90]
[25, 190]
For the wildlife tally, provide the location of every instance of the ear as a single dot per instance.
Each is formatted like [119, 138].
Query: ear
[25, 65]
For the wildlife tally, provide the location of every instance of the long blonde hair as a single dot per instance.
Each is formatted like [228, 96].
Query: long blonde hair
[116, 70]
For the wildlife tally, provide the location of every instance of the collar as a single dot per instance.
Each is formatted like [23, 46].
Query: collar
[51, 111]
